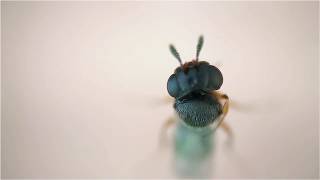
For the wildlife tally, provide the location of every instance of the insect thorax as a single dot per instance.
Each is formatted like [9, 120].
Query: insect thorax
[199, 111]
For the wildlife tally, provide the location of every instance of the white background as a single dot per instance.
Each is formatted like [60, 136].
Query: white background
[82, 85]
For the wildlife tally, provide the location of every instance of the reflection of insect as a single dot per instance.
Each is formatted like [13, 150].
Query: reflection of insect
[194, 85]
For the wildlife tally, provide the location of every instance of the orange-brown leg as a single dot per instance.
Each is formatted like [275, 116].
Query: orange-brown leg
[225, 110]
[221, 96]
[235, 105]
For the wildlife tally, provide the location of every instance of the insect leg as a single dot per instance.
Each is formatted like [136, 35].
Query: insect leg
[225, 110]
[164, 129]
[222, 96]
[225, 126]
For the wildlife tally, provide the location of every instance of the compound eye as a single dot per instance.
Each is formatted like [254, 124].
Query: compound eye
[203, 75]
[215, 78]
[172, 86]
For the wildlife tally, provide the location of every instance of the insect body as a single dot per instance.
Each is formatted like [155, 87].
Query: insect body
[193, 85]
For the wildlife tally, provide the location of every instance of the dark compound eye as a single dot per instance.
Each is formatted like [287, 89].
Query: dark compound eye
[211, 77]
[172, 86]
[181, 83]
[215, 78]
[203, 75]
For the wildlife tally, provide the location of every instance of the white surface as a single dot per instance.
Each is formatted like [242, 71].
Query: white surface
[81, 84]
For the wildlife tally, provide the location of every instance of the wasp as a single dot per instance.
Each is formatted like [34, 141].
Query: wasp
[194, 85]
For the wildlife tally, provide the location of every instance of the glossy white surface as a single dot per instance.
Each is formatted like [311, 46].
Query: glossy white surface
[82, 85]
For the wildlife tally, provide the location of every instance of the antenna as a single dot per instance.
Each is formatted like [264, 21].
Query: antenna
[175, 53]
[199, 46]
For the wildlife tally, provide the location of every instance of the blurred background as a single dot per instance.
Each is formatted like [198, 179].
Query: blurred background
[84, 88]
